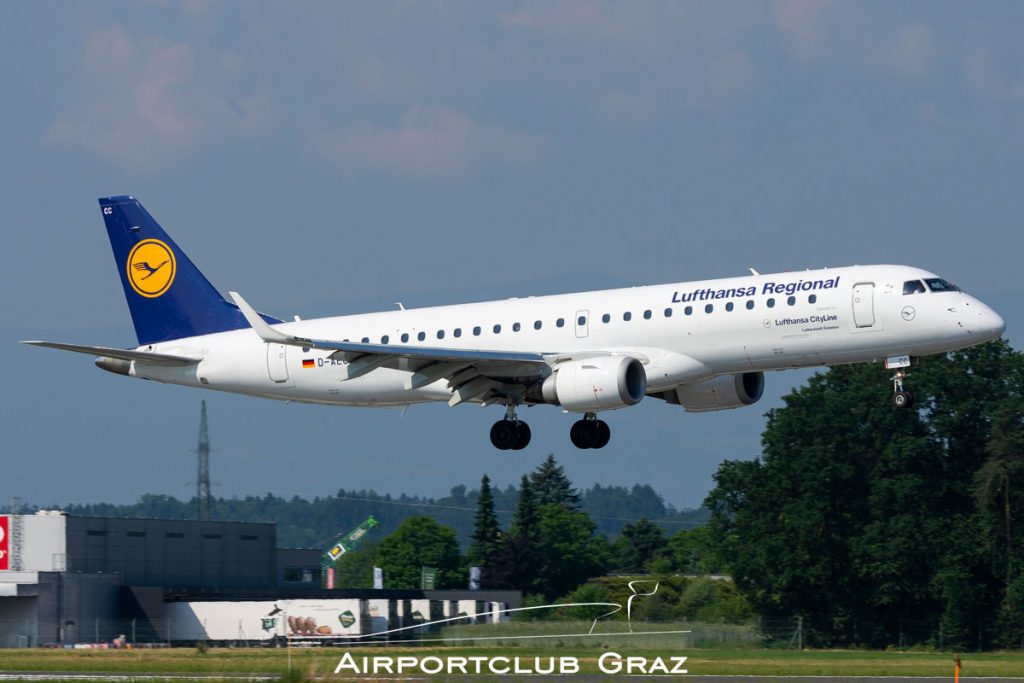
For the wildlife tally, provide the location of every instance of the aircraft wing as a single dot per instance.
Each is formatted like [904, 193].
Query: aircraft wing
[123, 354]
[349, 350]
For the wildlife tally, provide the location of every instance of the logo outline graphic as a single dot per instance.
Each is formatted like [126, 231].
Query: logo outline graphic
[151, 268]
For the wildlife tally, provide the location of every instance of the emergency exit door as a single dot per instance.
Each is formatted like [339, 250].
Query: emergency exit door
[864, 304]
[277, 362]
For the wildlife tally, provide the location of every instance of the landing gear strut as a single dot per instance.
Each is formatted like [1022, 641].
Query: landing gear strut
[510, 433]
[590, 432]
[901, 398]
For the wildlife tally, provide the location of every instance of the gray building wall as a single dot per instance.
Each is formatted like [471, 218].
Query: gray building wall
[156, 552]
[295, 565]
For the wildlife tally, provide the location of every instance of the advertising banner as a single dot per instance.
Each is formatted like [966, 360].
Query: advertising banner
[5, 543]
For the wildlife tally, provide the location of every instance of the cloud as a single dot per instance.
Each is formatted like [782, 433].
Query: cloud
[430, 142]
[914, 50]
[802, 22]
[986, 79]
[147, 100]
[590, 21]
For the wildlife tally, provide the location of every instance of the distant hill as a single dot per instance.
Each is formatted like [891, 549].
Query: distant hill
[313, 523]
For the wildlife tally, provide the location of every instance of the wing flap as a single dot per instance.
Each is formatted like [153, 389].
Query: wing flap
[124, 354]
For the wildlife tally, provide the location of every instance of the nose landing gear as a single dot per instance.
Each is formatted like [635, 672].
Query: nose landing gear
[590, 432]
[901, 398]
[510, 433]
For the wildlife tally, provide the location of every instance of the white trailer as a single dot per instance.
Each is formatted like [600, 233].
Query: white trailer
[266, 620]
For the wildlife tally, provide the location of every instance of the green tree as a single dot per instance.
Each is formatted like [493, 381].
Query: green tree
[486, 540]
[517, 562]
[551, 486]
[1000, 497]
[639, 543]
[688, 551]
[569, 551]
[355, 569]
[420, 542]
[858, 516]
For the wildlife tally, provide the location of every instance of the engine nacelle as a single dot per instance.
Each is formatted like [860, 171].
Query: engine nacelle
[593, 384]
[719, 393]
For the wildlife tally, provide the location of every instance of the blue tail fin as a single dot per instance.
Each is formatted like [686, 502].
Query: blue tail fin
[167, 295]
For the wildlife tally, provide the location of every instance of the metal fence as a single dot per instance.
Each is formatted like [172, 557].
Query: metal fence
[791, 633]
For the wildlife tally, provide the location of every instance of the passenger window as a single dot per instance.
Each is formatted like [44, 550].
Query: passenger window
[627, 316]
[771, 303]
[728, 306]
[516, 327]
[366, 340]
[913, 287]
[560, 322]
[812, 298]
[497, 329]
[668, 312]
[791, 301]
[688, 310]
[709, 308]
[537, 325]
[581, 321]
[421, 336]
[606, 318]
[457, 331]
[476, 331]
[440, 334]
[405, 337]
[385, 339]
[750, 304]
[647, 314]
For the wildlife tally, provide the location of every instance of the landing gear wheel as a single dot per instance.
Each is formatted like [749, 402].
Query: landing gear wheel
[504, 435]
[582, 434]
[903, 399]
[602, 434]
[522, 436]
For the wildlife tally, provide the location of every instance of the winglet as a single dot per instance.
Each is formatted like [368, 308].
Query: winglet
[265, 331]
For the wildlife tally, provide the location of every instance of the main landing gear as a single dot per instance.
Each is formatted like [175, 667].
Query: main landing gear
[590, 432]
[901, 398]
[510, 433]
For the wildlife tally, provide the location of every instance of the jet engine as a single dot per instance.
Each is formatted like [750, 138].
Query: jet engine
[593, 384]
[718, 393]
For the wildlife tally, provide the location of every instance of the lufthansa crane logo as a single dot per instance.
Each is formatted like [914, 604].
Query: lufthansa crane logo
[151, 268]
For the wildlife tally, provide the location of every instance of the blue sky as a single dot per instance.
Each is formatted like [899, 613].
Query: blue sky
[329, 158]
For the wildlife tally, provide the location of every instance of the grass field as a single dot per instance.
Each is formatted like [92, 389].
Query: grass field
[322, 661]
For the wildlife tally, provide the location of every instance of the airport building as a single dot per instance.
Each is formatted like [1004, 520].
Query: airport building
[68, 580]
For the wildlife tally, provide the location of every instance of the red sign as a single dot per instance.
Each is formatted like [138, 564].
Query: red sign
[5, 544]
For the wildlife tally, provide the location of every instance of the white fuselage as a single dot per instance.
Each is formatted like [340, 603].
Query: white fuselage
[799, 319]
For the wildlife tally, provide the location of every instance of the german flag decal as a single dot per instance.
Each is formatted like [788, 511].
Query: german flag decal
[308, 363]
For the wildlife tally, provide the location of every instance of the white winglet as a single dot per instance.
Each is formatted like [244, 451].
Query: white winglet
[265, 331]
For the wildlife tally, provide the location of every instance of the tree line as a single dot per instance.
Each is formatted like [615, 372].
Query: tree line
[549, 548]
[307, 523]
[871, 522]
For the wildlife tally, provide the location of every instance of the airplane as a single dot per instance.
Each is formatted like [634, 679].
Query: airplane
[703, 345]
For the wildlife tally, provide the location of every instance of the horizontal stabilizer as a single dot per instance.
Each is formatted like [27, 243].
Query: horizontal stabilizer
[124, 354]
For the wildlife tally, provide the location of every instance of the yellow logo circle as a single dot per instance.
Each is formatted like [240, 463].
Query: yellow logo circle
[151, 268]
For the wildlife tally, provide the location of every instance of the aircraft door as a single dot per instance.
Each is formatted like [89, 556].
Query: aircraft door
[277, 365]
[864, 304]
[582, 324]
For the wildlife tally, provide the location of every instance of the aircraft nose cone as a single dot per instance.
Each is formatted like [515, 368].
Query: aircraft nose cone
[990, 324]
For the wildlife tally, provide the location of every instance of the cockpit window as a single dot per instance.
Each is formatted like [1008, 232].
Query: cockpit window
[913, 287]
[937, 284]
